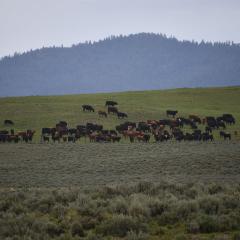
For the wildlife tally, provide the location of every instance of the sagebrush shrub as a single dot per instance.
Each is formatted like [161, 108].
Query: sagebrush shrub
[120, 225]
[77, 229]
[119, 205]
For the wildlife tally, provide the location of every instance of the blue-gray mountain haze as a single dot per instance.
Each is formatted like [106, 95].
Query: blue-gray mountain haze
[136, 62]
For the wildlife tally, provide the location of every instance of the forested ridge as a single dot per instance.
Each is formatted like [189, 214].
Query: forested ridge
[135, 62]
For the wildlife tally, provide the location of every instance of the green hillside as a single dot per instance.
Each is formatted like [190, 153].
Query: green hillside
[45, 111]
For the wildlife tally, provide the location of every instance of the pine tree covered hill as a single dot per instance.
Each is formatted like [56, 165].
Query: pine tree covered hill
[135, 62]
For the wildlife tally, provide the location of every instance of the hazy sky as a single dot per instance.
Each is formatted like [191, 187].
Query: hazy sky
[30, 24]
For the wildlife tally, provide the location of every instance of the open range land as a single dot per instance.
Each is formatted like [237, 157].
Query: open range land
[166, 190]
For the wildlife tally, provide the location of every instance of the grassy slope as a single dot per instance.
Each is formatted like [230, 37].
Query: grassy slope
[37, 112]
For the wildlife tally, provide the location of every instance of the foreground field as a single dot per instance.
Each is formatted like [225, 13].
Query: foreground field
[88, 165]
[37, 112]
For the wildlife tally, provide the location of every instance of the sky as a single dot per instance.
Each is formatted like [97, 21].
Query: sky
[32, 24]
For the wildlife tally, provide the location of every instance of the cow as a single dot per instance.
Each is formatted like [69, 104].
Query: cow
[206, 137]
[228, 118]
[8, 122]
[197, 135]
[71, 138]
[3, 137]
[195, 118]
[211, 122]
[142, 126]
[143, 138]
[164, 122]
[13, 138]
[122, 115]
[113, 110]
[171, 113]
[56, 136]
[45, 138]
[178, 134]
[63, 123]
[111, 103]
[188, 137]
[208, 129]
[91, 127]
[115, 138]
[160, 137]
[102, 114]
[225, 135]
[125, 126]
[4, 132]
[88, 108]
[46, 131]
[221, 124]
[72, 131]
[113, 132]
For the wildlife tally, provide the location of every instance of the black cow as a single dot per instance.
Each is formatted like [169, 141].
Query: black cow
[88, 108]
[142, 126]
[221, 124]
[228, 118]
[208, 129]
[63, 124]
[46, 138]
[160, 137]
[225, 135]
[164, 122]
[206, 137]
[111, 103]
[113, 110]
[71, 138]
[211, 122]
[122, 115]
[4, 132]
[93, 127]
[171, 113]
[195, 118]
[197, 135]
[8, 122]
[113, 132]
[72, 131]
[3, 137]
[178, 134]
[188, 137]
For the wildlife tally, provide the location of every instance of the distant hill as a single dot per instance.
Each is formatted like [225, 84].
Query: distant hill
[136, 62]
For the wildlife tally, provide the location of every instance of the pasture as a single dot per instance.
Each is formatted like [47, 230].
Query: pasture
[37, 112]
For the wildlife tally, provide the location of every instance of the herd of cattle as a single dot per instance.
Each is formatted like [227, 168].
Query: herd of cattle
[160, 130]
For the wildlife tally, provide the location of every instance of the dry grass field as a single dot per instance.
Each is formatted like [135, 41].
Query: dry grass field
[88, 165]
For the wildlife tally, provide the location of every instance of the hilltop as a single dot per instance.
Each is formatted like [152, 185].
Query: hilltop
[136, 62]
